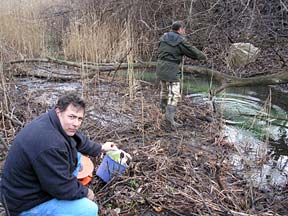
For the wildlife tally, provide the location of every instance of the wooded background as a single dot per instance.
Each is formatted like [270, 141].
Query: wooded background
[89, 33]
[104, 30]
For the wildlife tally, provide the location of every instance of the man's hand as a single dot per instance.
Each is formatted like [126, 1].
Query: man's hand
[109, 146]
[90, 194]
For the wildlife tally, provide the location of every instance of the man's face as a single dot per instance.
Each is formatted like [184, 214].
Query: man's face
[182, 31]
[70, 119]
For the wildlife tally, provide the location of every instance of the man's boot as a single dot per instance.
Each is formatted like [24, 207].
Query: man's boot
[170, 114]
[163, 105]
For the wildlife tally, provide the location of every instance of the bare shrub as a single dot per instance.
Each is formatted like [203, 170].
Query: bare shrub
[95, 30]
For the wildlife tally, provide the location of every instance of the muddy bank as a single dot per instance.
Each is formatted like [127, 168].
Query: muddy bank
[183, 171]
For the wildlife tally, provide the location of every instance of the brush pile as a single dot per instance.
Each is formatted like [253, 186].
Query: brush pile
[184, 171]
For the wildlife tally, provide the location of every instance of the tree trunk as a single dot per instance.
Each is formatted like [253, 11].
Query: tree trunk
[226, 81]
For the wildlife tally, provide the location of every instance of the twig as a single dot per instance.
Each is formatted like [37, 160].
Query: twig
[155, 204]
[119, 65]
[3, 142]
[14, 120]
[203, 201]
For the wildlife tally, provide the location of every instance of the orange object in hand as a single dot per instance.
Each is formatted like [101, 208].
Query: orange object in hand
[85, 180]
[86, 170]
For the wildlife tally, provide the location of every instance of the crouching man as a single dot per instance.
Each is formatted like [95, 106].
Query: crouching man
[39, 172]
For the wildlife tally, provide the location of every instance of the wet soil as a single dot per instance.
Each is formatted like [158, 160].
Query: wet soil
[174, 171]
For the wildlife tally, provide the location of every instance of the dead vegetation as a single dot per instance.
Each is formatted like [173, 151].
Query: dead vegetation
[174, 172]
[183, 171]
[98, 31]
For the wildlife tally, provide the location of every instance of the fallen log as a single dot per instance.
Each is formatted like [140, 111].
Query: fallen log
[51, 74]
[91, 69]
[273, 79]
[226, 81]
[86, 65]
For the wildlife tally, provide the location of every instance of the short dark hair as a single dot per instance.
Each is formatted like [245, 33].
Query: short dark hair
[71, 98]
[177, 25]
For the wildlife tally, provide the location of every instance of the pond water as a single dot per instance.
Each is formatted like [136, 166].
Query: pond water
[255, 123]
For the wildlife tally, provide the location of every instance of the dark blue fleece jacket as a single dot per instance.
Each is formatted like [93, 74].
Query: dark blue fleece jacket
[40, 164]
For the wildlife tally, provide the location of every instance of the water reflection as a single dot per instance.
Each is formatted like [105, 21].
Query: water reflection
[258, 131]
[254, 160]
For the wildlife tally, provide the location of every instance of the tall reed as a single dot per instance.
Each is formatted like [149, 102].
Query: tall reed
[97, 41]
[130, 58]
[21, 29]
[4, 105]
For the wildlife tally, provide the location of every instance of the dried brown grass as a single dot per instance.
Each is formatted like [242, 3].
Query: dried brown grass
[98, 41]
[21, 29]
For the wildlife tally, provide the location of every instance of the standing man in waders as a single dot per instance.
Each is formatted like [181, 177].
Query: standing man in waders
[173, 46]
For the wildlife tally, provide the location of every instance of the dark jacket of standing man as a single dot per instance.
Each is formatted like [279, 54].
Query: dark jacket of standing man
[173, 46]
[42, 158]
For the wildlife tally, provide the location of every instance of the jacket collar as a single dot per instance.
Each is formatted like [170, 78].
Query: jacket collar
[57, 125]
[56, 122]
